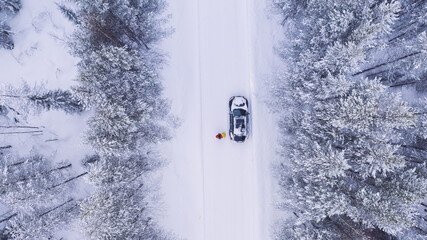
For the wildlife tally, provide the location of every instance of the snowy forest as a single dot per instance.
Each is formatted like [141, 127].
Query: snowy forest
[353, 121]
[118, 85]
[82, 160]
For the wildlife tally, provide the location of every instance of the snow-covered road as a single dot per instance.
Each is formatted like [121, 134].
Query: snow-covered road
[218, 189]
[229, 192]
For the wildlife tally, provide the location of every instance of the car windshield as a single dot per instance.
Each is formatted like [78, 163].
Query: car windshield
[239, 138]
[239, 112]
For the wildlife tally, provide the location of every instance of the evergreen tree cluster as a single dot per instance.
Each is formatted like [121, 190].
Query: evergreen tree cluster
[119, 85]
[353, 160]
[38, 194]
[35, 189]
[30, 100]
[119, 82]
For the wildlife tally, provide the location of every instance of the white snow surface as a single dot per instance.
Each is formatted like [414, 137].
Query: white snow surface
[219, 189]
[41, 54]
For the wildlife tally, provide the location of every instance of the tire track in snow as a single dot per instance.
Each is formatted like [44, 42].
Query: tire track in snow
[201, 118]
[249, 62]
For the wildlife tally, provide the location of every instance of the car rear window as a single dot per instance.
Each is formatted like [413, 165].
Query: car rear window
[239, 123]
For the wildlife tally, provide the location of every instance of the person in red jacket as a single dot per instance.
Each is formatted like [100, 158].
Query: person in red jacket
[220, 135]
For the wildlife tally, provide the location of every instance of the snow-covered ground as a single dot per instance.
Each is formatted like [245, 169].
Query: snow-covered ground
[219, 189]
[41, 57]
[41, 54]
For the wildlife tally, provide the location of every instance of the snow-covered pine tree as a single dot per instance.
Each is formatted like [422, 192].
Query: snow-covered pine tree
[119, 23]
[422, 119]
[344, 131]
[291, 8]
[412, 148]
[118, 80]
[43, 222]
[68, 13]
[25, 181]
[38, 194]
[330, 228]
[402, 60]
[56, 100]
[390, 202]
[366, 120]
[28, 99]
[125, 93]
[122, 206]
[367, 143]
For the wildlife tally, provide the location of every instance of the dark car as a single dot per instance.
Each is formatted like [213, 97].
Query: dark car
[239, 118]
